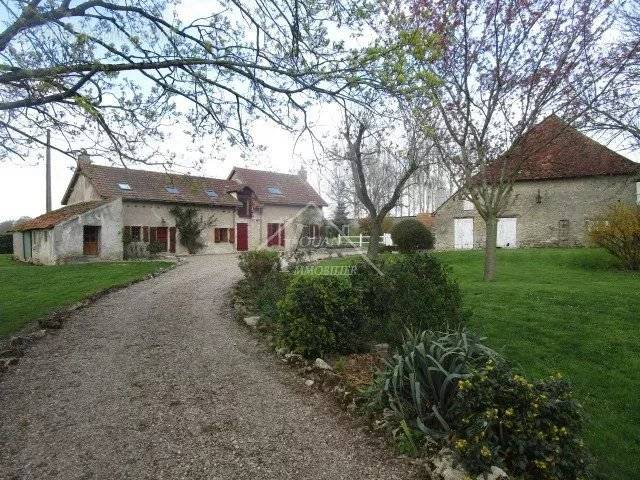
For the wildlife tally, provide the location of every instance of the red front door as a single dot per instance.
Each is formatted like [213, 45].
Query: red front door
[242, 237]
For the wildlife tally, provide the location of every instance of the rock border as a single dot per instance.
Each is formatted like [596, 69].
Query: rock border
[17, 345]
[320, 376]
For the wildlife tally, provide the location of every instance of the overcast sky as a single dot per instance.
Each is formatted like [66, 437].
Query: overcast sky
[22, 184]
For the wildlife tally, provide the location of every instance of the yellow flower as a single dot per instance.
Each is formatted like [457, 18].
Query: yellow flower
[485, 452]
[540, 464]
[464, 384]
[461, 444]
[492, 413]
[509, 412]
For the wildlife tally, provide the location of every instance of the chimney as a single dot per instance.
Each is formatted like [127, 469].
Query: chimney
[302, 173]
[83, 158]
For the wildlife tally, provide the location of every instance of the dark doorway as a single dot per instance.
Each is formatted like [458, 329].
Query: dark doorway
[242, 237]
[161, 237]
[91, 238]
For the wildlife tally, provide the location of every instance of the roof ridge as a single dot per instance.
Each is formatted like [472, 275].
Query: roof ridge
[188, 175]
[268, 171]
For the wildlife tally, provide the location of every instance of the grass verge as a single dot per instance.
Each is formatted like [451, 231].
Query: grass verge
[572, 311]
[29, 292]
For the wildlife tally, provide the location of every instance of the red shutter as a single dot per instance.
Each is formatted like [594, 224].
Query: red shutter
[172, 239]
[145, 234]
[281, 233]
[152, 234]
[216, 235]
[272, 237]
[232, 235]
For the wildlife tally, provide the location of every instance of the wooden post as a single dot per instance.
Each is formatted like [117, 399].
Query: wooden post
[48, 172]
[360, 240]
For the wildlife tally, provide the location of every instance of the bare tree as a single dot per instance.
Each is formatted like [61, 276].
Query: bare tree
[504, 65]
[614, 109]
[118, 74]
[381, 160]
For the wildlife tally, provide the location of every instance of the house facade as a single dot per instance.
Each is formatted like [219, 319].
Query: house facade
[112, 209]
[567, 183]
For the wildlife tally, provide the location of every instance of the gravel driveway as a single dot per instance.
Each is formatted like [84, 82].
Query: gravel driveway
[158, 381]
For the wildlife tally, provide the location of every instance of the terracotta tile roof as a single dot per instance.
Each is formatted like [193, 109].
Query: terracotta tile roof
[52, 218]
[295, 190]
[553, 149]
[152, 186]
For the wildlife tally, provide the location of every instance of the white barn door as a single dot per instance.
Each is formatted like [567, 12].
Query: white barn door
[463, 233]
[507, 232]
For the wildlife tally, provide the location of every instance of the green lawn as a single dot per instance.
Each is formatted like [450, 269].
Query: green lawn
[29, 292]
[571, 311]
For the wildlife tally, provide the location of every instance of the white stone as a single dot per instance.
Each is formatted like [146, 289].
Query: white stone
[293, 358]
[252, 321]
[321, 364]
[444, 467]
[38, 334]
[381, 349]
[495, 473]
[309, 383]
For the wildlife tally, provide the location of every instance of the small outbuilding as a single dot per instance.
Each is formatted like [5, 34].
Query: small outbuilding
[83, 231]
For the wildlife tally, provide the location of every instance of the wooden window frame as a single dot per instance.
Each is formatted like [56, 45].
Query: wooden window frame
[221, 235]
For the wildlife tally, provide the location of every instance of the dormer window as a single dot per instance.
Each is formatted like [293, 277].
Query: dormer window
[274, 191]
[172, 189]
[467, 205]
[124, 186]
[211, 193]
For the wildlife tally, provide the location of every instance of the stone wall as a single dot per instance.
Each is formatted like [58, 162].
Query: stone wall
[18, 248]
[293, 218]
[158, 215]
[68, 235]
[82, 191]
[549, 213]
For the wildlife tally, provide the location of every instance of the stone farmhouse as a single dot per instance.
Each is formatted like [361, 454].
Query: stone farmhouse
[104, 205]
[564, 184]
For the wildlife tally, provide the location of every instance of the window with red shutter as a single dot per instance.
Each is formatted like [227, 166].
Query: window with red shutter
[272, 234]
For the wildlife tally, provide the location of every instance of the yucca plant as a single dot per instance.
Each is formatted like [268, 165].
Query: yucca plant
[418, 384]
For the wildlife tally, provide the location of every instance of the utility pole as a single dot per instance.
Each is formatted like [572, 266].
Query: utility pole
[48, 182]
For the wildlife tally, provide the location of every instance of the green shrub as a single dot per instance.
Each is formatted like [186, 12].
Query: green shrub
[619, 233]
[320, 315]
[273, 290]
[532, 429]
[155, 247]
[419, 383]
[413, 293]
[6, 243]
[410, 236]
[257, 265]
[190, 225]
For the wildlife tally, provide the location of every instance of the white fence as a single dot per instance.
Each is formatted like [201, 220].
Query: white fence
[357, 241]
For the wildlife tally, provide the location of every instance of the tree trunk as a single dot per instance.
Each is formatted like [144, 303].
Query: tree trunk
[491, 225]
[374, 238]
